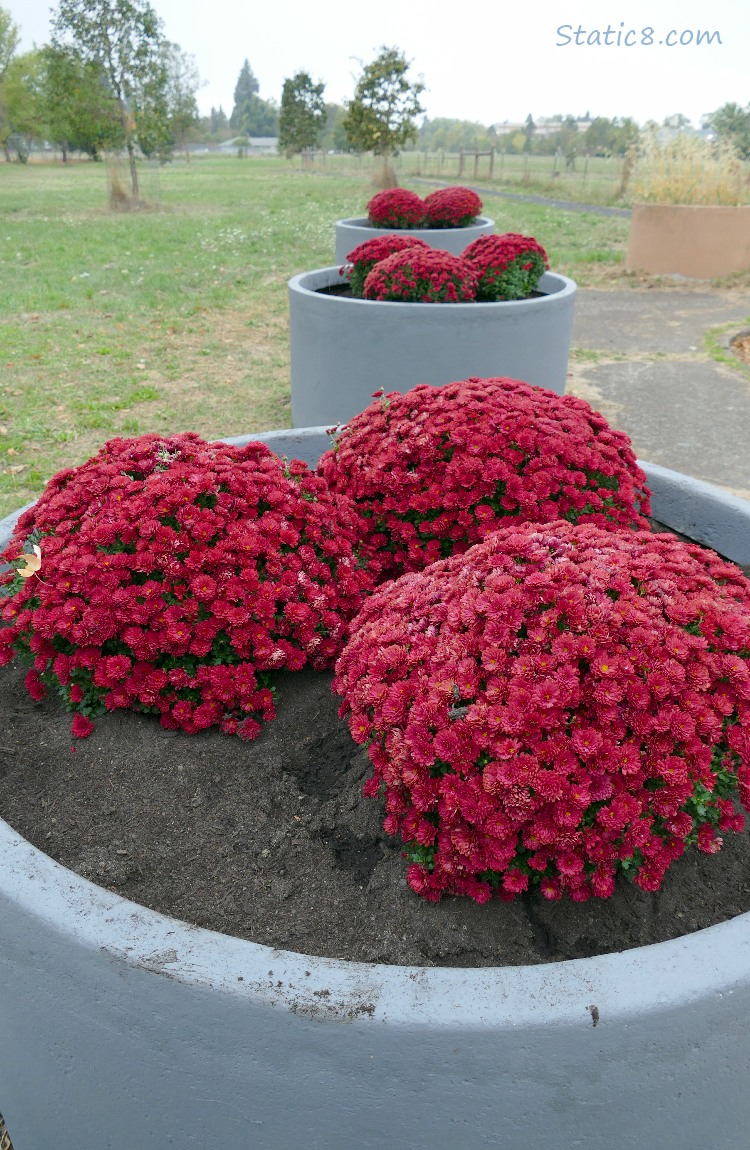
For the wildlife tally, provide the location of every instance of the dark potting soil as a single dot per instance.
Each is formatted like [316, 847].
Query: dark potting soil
[344, 289]
[273, 841]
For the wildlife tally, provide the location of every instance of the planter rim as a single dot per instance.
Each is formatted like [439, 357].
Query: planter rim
[650, 978]
[306, 283]
[691, 207]
[364, 222]
[658, 977]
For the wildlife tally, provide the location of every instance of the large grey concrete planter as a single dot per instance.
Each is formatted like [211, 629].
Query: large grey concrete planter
[125, 1028]
[344, 349]
[350, 233]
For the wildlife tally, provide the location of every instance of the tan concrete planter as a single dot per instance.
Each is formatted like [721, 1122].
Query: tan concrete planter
[697, 240]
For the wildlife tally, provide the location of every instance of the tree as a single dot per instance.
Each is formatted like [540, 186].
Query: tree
[245, 88]
[303, 114]
[80, 110]
[448, 135]
[605, 137]
[10, 37]
[23, 104]
[732, 123]
[528, 130]
[183, 81]
[334, 138]
[677, 122]
[252, 116]
[261, 118]
[125, 38]
[381, 117]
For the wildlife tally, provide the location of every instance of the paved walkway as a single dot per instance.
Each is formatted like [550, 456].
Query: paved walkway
[529, 198]
[642, 359]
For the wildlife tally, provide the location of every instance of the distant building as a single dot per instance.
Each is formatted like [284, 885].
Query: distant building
[542, 127]
[253, 145]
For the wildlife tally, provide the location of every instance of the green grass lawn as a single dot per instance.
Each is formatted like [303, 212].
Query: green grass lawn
[175, 318]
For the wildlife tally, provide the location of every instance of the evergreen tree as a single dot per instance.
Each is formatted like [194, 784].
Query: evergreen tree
[218, 124]
[303, 114]
[246, 87]
[252, 116]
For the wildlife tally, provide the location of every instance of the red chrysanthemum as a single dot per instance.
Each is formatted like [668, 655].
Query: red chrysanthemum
[440, 468]
[421, 275]
[454, 207]
[558, 706]
[365, 256]
[396, 208]
[508, 266]
[176, 575]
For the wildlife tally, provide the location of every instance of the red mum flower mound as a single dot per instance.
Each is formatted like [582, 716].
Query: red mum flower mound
[396, 208]
[451, 208]
[559, 706]
[508, 266]
[175, 577]
[362, 260]
[422, 275]
[440, 468]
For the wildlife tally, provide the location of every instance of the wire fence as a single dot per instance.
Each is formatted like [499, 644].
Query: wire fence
[592, 179]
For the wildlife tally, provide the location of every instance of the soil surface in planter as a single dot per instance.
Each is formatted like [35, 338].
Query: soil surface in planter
[344, 289]
[273, 841]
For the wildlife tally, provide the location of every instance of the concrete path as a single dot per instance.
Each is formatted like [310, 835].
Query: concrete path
[530, 198]
[643, 359]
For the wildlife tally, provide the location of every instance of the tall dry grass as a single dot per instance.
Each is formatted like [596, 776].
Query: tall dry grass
[689, 170]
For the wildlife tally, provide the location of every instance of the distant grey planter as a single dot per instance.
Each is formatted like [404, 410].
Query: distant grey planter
[125, 1028]
[344, 349]
[351, 233]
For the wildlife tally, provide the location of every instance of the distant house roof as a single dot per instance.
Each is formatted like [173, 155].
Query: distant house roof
[250, 142]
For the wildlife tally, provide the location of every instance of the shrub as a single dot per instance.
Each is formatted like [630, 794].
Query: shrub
[362, 260]
[396, 208]
[451, 208]
[556, 707]
[422, 275]
[175, 576]
[438, 469]
[508, 266]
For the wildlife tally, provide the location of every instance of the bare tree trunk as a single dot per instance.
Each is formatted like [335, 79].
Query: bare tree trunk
[127, 128]
[384, 175]
[133, 169]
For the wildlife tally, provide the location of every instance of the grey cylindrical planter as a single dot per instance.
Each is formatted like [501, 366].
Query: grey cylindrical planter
[344, 349]
[122, 1027]
[351, 233]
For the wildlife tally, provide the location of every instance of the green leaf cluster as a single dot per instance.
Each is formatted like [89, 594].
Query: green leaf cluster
[382, 116]
[303, 114]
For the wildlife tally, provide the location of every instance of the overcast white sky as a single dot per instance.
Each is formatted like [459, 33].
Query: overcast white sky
[488, 61]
